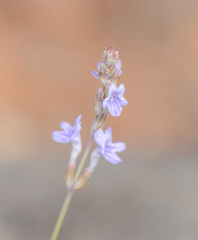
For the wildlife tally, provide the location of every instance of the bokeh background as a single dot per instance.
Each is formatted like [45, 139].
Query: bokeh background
[47, 50]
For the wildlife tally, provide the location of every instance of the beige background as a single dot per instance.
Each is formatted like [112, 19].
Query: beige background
[47, 50]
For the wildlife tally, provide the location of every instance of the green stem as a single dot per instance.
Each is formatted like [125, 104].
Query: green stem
[62, 215]
[82, 162]
[70, 193]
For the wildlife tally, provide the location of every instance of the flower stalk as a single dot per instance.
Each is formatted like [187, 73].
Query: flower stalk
[62, 215]
[82, 162]
[109, 98]
[69, 182]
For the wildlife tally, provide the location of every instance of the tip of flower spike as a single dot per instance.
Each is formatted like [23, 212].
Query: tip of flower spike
[110, 48]
[109, 55]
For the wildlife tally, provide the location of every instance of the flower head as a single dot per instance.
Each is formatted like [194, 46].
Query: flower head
[69, 133]
[118, 65]
[107, 148]
[115, 100]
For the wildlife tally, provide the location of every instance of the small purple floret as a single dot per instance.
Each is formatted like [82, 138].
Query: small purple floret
[107, 148]
[118, 65]
[115, 100]
[69, 133]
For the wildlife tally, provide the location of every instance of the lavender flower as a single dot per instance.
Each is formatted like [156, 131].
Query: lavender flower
[115, 100]
[107, 148]
[108, 98]
[69, 133]
[118, 65]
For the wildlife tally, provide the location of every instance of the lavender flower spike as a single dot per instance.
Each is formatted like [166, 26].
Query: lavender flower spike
[107, 148]
[115, 100]
[118, 65]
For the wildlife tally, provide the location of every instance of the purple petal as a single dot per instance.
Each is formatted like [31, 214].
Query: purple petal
[108, 135]
[121, 90]
[112, 89]
[77, 124]
[60, 136]
[95, 74]
[117, 147]
[76, 128]
[98, 65]
[115, 108]
[123, 101]
[67, 128]
[119, 64]
[119, 72]
[112, 157]
[99, 137]
[105, 103]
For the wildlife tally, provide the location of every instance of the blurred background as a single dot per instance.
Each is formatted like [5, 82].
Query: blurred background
[47, 50]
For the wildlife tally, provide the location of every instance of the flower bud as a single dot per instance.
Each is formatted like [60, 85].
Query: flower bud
[105, 89]
[104, 56]
[102, 74]
[98, 101]
[111, 68]
[110, 54]
[69, 176]
[115, 78]
[116, 56]
[99, 120]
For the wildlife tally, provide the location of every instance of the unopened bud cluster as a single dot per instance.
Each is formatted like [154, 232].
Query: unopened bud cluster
[109, 71]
